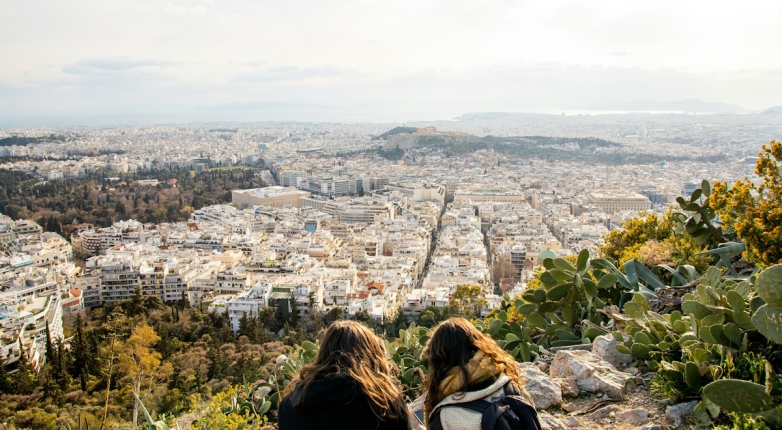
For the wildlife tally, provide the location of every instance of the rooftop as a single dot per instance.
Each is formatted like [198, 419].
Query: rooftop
[271, 191]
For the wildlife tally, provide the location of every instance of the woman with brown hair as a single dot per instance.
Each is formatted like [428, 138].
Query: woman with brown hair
[468, 374]
[348, 386]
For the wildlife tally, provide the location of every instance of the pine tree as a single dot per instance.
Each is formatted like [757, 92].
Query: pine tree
[6, 383]
[51, 390]
[61, 375]
[245, 324]
[23, 379]
[218, 363]
[79, 348]
[49, 347]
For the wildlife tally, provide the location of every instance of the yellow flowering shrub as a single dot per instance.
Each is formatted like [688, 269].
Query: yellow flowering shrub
[755, 213]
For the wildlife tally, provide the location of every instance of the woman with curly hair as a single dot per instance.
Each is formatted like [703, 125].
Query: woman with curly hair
[467, 373]
[349, 386]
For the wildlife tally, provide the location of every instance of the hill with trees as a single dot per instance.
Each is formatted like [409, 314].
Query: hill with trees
[25, 140]
[588, 150]
[58, 205]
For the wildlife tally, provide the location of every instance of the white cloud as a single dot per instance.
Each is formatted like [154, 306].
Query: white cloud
[111, 64]
[498, 54]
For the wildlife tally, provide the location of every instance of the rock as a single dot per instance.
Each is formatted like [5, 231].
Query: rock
[572, 422]
[262, 392]
[651, 427]
[633, 371]
[569, 407]
[592, 373]
[543, 390]
[581, 346]
[649, 375]
[604, 412]
[676, 414]
[634, 417]
[542, 366]
[548, 422]
[605, 347]
[569, 386]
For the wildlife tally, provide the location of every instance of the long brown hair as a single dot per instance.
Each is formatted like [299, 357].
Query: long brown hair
[349, 347]
[453, 344]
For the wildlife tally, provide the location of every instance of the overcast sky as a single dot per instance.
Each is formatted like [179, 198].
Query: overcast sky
[449, 56]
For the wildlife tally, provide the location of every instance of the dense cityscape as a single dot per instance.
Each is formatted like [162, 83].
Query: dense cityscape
[378, 222]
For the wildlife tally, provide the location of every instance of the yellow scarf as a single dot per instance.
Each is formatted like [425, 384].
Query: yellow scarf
[479, 369]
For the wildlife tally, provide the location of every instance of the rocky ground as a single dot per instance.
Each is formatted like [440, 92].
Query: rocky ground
[591, 387]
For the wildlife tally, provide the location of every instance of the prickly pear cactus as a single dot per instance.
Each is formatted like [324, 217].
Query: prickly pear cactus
[569, 295]
[512, 335]
[405, 352]
[734, 395]
[768, 318]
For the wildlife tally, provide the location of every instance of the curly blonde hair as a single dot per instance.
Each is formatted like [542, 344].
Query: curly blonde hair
[349, 347]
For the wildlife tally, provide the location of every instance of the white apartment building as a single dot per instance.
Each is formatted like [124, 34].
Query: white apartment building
[253, 299]
[89, 285]
[24, 319]
[336, 292]
[119, 279]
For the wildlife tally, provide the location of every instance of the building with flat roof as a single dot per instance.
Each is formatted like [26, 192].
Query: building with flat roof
[611, 201]
[419, 191]
[488, 193]
[270, 196]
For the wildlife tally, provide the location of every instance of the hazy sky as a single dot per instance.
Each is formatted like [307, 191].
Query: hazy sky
[422, 56]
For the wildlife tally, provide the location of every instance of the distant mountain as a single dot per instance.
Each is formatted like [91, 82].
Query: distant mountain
[776, 110]
[492, 116]
[263, 106]
[690, 106]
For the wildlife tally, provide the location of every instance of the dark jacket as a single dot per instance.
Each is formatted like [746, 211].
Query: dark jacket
[333, 403]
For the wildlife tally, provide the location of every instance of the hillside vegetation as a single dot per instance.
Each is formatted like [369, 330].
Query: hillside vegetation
[58, 205]
[24, 141]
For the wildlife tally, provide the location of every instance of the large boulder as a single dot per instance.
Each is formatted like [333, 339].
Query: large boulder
[605, 348]
[543, 390]
[592, 373]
